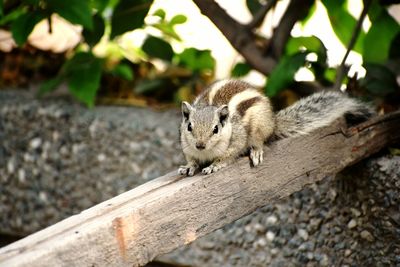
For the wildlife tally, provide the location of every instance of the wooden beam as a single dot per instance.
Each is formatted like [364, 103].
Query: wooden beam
[161, 215]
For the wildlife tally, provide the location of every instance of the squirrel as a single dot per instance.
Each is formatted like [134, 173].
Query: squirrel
[231, 117]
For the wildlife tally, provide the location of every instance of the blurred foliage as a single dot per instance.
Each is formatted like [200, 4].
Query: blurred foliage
[159, 70]
[379, 48]
[87, 75]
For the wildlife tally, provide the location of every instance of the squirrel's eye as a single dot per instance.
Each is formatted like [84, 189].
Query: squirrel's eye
[215, 131]
[189, 127]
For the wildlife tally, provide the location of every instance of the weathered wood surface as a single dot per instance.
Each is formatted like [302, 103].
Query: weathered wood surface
[159, 216]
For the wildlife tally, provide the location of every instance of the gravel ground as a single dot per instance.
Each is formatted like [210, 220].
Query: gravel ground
[58, 158]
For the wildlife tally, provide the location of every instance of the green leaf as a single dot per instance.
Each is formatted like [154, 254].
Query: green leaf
[160, 13]
[178, 19]
[378, 40]
[13, 15]
[92, 37]
[50, 85]
[330, 74]
[158, 48]
[374, 11]
[167, 30]
[83, 73]
[240, 69]
[99, 5]
[283, 74]
[23, 26]
[123, 71]
[343, 23]
[129, 15]
[310, 44]
[75, 11]
[197, 60]
[253, 6]
[379, 80]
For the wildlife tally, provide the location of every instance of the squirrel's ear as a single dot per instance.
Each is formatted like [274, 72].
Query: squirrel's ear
[223, 113]
[186, 108]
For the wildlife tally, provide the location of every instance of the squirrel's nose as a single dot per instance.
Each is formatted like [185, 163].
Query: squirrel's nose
[200, 146]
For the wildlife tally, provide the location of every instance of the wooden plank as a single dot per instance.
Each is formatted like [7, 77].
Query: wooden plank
[159, 216]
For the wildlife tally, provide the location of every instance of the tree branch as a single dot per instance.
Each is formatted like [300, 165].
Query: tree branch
[341, 71]
[260, 15]
[296, 10]
[239, 35]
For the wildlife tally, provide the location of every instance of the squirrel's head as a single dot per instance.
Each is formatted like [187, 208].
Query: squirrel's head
[205, 127]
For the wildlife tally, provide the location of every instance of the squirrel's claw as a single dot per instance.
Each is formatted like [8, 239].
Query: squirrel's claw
[187, 170]
[256, 156]
[214, 167]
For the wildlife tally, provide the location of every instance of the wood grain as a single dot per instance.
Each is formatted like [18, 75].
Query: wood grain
[161, 215]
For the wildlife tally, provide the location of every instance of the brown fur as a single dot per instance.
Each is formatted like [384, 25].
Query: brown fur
[243, 106]
[225, 93]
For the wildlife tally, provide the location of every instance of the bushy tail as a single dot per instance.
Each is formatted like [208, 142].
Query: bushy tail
[319, 110]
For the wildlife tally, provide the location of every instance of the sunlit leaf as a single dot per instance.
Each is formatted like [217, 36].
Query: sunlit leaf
[92, 37]
[160, 13]
[330, 74]
[129, 15]
[378, 40]
[240, 69]
[283, 74]
[343, 23]
[158, 48]
[178, 19]
[23, 26]
[75, 11]
[309, 44]
[167, 30]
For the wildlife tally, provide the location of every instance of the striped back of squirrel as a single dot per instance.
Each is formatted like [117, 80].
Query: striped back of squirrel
[242, 99]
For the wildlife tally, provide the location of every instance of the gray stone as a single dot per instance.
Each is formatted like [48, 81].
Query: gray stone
[367, 236]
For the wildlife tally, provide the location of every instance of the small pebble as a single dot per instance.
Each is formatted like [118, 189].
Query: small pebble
[35, 143]
[270, 236]
[303, 234]
[352, 224]
[367, 236]
[271, 219]
[101, 157]
[347, 252]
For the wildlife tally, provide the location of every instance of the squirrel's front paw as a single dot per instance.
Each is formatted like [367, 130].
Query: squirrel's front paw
[213, 168]
[187, 170]
[256, 156]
